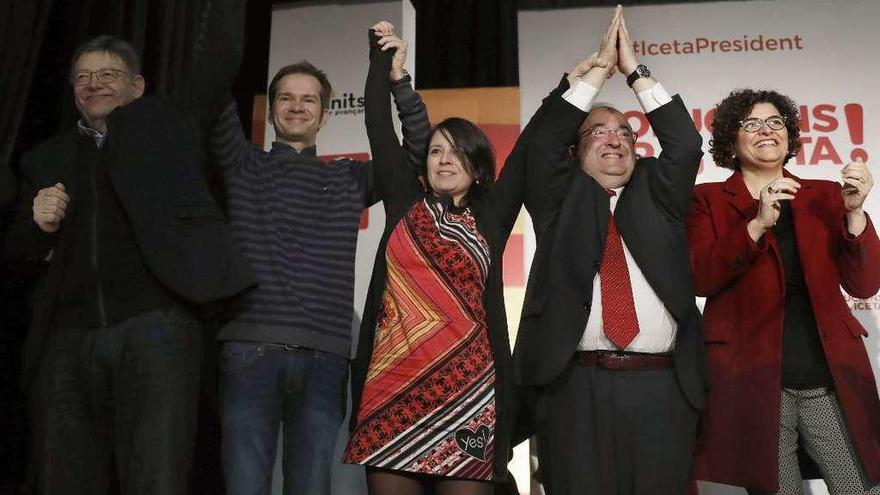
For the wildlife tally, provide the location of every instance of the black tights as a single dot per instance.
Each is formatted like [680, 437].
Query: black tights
[388, 482]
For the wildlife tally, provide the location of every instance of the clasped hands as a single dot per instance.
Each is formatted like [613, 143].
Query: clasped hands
[615, 52]
[389, 41]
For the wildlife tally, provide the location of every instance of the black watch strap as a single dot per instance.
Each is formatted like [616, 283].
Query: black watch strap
[640, 72]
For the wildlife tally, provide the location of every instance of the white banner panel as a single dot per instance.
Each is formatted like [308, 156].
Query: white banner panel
[817, 52]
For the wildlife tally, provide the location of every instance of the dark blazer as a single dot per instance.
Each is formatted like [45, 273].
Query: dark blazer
[744, 284]
[154, 168]
[570, 225]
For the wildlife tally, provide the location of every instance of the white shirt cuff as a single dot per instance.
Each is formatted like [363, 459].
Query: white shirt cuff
[653, 98]
[581, 95]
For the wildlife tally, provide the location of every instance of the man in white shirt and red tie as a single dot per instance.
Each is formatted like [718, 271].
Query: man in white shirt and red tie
[609, 346]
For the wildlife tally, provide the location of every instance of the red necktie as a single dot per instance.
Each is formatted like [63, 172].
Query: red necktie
[618, 309]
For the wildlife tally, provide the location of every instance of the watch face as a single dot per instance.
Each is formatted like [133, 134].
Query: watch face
[640, 72]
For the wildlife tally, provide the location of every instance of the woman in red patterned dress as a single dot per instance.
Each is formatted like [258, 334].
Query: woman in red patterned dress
[432, 388]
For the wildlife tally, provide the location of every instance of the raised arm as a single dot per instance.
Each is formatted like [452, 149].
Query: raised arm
[859, 260]
[391, 177]
[542, 154]
[214, 54]
[673, 179]
[413, 121]
[545, 143]
[229, 148]
[410, 108]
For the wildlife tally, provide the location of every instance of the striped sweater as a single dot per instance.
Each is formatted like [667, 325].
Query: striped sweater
[296, 221]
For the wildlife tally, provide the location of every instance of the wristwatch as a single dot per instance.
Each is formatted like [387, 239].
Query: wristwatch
[406, 79]
[640, 72]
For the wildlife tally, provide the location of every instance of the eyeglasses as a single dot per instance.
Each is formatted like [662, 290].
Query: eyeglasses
[754, 124]
[622, 133]
[104, 76]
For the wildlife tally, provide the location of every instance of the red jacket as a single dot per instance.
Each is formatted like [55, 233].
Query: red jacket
[744, 284]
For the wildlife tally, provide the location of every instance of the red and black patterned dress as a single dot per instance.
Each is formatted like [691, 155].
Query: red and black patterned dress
[428, 404]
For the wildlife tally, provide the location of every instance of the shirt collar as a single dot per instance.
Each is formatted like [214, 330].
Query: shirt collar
[278, 146]
[612, 200]
[86, 131]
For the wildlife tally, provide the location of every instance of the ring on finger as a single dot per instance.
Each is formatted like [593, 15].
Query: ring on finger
[771, 190]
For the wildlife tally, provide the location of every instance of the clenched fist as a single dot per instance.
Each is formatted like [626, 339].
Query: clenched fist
[50, 206]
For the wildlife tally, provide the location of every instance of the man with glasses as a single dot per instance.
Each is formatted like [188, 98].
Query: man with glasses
[117, 216]
[609, 340]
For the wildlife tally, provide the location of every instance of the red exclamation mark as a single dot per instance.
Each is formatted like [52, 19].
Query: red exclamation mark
[855, 122]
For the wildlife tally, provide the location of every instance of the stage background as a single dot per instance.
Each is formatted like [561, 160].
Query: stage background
[817, 52]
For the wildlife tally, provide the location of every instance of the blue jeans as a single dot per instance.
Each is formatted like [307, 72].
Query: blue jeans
[265, 386]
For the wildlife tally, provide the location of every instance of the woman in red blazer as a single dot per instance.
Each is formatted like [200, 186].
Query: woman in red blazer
[787, 363]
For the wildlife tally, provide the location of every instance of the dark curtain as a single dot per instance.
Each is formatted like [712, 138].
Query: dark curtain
[21, 34]
[466, 43]
[22, 25]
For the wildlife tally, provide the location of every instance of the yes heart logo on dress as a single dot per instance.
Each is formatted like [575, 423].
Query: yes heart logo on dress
[473, 443]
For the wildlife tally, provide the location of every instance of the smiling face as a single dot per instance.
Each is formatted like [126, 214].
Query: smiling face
[95, 100]
[296, 112]
[447, 174]
[765, 148]
[609, 159]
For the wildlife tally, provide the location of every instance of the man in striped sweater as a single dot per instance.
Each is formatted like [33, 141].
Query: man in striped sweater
[296, 220]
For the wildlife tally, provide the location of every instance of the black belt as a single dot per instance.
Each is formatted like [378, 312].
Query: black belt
[287, 347]
[611, 360]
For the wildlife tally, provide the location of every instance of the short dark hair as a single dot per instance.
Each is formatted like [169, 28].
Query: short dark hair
[112, 45]
[473, 149]
[736, 107]
[302, 67]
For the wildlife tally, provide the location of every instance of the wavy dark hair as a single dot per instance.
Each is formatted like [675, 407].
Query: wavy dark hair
[737, 106]
[473, 149]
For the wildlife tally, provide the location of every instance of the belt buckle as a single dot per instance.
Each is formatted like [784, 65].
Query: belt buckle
[612, 360]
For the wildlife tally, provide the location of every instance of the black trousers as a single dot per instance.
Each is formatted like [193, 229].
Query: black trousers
[613, 432]
[114, 408]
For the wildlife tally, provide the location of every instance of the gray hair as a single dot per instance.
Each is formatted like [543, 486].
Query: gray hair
[112, 45]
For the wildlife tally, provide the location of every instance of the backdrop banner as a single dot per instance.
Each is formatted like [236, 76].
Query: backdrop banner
[813, 51]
